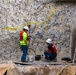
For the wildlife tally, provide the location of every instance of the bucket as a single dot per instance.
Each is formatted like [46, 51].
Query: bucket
[31, 58]
[37, 57]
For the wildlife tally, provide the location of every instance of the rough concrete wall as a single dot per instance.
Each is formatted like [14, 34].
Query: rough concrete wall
[49, 20]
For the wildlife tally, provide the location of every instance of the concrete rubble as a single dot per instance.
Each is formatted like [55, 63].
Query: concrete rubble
[12, 69]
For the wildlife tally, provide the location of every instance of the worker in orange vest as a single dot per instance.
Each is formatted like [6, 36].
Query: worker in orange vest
[51, 51]
[24, 42]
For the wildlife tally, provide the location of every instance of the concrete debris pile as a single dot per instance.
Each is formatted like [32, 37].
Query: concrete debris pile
[12, 69]
[9, 69]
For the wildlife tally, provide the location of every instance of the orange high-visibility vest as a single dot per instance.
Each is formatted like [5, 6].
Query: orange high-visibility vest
[54, 48]
[21, 37]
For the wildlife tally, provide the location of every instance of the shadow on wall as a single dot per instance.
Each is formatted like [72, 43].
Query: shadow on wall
[47, 1]
[73, 41]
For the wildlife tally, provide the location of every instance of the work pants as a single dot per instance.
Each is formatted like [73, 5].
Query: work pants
[24, 50]
[50, 56]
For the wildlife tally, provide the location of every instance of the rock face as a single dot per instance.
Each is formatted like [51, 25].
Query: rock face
[48, 20]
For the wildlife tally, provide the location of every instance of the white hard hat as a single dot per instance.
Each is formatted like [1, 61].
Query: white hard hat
[49, 41]
[26, 28]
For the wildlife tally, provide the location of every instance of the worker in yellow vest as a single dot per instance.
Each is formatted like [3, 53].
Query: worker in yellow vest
[24, 42]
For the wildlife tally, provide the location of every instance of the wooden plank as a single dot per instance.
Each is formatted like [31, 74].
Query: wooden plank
[44, 63]
[22, 63]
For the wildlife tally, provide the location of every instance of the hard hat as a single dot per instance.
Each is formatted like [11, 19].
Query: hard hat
[49, 41]
[26, 28]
